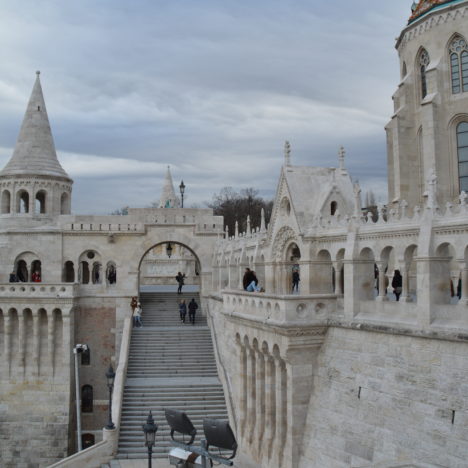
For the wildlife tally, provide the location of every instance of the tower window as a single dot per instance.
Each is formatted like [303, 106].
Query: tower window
[424, 61]
[87, 399]
[462, 149]
[459, 65]
[333, 207]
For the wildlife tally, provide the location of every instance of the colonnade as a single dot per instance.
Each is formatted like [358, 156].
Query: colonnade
[33, 342]
[263, 407]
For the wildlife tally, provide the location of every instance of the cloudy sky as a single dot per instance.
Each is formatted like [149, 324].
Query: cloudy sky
[211, 87]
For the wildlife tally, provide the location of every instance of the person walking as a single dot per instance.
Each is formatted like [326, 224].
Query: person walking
[192, 309]
[397, 283]
[295, 280]
[137, 316]
[180, 279]
[182, 310]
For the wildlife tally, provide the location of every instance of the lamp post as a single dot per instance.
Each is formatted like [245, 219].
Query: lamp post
[150, 430]
[110, 375]
[182, 191]
[169, 249]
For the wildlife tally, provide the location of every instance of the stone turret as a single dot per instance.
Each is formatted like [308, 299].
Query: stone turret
[168, 197]
[33, 182]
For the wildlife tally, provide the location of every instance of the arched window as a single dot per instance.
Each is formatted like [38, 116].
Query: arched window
[96, 273]
[40, 202]
[22, 202]
[111, 273]
[459, 65]
[84, 273]
[36, 271]
[69, 272]
[64, 205]
[423, 62]
[333, 208]
[86, 357]
[22, 271]
[6, 200]
[86, 399]
[462, 150]
[404, 71]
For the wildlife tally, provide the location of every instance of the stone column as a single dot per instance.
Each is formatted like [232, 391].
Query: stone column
[251, 394]
[270, 405]
[405, 295]
[382, 290]
[260, 400]
[242, 388]
[270, 277]
[7, 331]
[464, 284]
[35, 350]
[337, 266]
[50, 338]
[281, 401]
[21, 341]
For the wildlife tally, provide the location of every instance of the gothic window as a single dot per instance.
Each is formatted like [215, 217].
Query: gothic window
[6, 199]
[96, 273]
[111, 273]
[84, 273]
[22, 202]
[87, 399]
[69, 272]
[462, 149]
[424, 61]
[22, 271]
[333, 208]
[459, 65]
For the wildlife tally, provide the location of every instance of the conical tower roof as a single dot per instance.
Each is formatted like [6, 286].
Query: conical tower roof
[34, 152]
[168, 197]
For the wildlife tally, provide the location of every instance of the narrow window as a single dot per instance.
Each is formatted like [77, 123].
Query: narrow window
[22, 271]
[404, 71]
[86, 399]
[64, 208]
[462, 150]
[41, 202]
[333, 208]
[424, 61]
[69, 272]
[84, 273]
[86, 357]
[6, 200]
[459, 65]
[36, 271]
[22, 204]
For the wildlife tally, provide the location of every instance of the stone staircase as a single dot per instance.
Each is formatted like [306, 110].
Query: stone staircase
[171, 365]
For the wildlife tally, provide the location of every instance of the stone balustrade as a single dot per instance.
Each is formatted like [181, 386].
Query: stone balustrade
[281, 309]
[38, 290]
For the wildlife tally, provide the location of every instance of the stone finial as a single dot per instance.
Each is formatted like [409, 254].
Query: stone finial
[236, 230]
[227, 232]
[262, 221]
[287, 153]
[38, 72]
[249, 230]
[381, 211]
[341, 158]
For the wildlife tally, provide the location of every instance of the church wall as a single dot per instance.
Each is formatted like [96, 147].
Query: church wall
[378, 397]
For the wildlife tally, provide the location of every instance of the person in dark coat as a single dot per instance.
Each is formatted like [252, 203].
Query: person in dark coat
[180, 279]
[397, 283]
[182, 310]
[192, 309]
[13, 277]
[249, 276]
[295, 280]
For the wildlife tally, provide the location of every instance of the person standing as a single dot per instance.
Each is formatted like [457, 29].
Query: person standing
[180, 279]
[182, 310]
[36, 277]
[133, 303]
[249, 276]
[192, 309]
[295, 280]
[13, 277]
[137, 316]
[397, 283]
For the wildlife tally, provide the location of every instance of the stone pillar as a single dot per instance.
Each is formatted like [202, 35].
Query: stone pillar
[50, 338]
[337, 266]
[382, 289]
[305, 278]
[464, 286]
[405, 295]
[21, 342]
[251, 395]
[7, 331]
[270, 405]
[242, 388]
[260, 394]
[35, 350]
[270, 277]
[281, 402]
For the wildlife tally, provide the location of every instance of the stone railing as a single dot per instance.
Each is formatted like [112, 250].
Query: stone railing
[38, 290]
[280, 309]
[106, 227]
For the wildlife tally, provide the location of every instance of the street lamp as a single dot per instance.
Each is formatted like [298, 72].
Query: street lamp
[182, 191]
[169, 249]
[150, 430]
[110, 375]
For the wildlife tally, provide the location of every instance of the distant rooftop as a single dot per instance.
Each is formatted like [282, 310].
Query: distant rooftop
[425, 6]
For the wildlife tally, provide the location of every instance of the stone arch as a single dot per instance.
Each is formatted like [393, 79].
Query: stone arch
[283, 237]
[87, 260]
[322, 275]
[65, 203]
[24, 264]
[22, 201]
[6, 202]
[41, 202]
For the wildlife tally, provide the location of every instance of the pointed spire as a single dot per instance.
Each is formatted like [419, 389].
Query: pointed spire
[287, 153]
[341, 158]
[236, 230]
[249, 230]
[262, 221]
[168, 197]
[34, 152]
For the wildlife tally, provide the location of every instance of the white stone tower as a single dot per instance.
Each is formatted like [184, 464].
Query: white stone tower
[428, 132]
[168, 197]
[33, 183]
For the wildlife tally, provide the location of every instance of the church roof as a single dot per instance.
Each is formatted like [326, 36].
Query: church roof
[168, 197]
[34, 153]
[425, 6]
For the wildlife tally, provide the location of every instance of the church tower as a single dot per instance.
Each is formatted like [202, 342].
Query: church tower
[428, 133]
[168, 197]
[33, 183]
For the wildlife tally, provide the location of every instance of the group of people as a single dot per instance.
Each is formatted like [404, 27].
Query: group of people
[17, 278]
[192, 309]
[250, 281]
